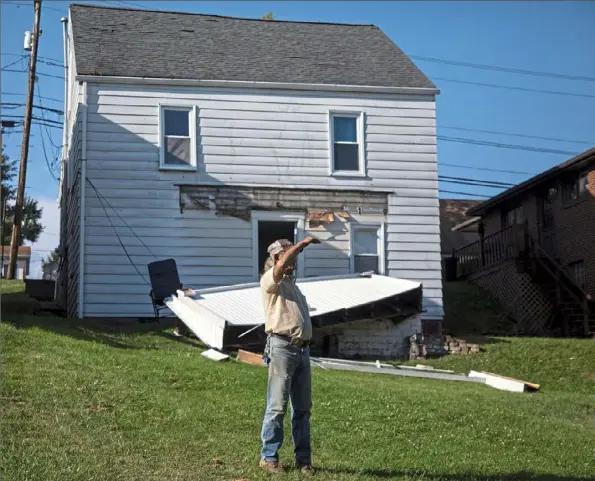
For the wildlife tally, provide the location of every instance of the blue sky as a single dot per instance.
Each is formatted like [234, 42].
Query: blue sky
[554, 37]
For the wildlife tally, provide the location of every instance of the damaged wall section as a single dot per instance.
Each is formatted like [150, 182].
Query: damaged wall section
[237, 201]
[368, 339]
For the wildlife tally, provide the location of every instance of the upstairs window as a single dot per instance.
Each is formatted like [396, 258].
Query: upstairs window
[346, 144]
[513, 216]
[367, 253]
[576, 187]
[177, 144]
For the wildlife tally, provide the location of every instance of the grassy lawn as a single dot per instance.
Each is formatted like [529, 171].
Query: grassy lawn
[89, 404]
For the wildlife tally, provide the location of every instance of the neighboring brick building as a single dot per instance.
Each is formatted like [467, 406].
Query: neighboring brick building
[557, 210]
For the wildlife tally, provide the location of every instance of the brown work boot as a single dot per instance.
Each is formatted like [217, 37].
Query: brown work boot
[271, 466]
[307, 469]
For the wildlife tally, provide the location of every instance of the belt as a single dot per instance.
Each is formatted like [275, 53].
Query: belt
[293, 341]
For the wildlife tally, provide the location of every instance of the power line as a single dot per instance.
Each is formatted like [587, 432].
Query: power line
[503, 69]
[37, 73]
[504, 145]
[474, 184]
[496, 132]
[49, 121]
[15, 62]
[463, 193]
[466, 179]
[52, 64]
[23, 95]
[99, 197]
[123, 221]
[511, 87]
[8, 54]
[43, 116]
[25, 4]
[45, 154]
[40, 107]
[487, 169]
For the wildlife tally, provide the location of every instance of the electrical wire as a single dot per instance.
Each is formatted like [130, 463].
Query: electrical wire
[45, 154]
[512, 87]
[99, 197]
[42, 74]
[463, 193]
[52, 99]
[505, 145]
[14, 105]
[39, 57]
[120, 217]
[496, 132]
[466, 179]
[487, 169]
[49, 134]
[503, 69]
[14, 63]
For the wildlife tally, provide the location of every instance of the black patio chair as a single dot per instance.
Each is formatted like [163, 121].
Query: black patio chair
[165, 281]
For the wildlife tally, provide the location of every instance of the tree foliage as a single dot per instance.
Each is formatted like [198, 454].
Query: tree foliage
[31, 228]
[268, 16]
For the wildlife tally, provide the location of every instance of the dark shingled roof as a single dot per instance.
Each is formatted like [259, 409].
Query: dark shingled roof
[126, 42]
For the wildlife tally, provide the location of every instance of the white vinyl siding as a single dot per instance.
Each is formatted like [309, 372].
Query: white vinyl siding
[255, 138]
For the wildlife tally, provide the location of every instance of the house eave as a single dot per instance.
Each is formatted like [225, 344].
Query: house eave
[576, 162]
[467, 223]
[257, 85]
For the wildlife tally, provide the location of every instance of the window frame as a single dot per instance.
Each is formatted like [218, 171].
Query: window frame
[359, 116]
[569, 185]
[277, 216]
[517, 212]
[192, 131]
[571, 271]
[366, 225]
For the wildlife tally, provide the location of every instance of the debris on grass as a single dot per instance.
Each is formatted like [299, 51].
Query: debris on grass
[504, 383]
[250, 358]
[214, 355]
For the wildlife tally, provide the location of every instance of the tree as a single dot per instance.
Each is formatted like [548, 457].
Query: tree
[49, 265]
[268, 16]
[32, 227]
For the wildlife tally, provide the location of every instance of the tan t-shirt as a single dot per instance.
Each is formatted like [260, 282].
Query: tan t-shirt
[285, 308]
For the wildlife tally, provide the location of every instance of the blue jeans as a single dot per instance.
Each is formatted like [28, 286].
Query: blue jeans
[289, 378]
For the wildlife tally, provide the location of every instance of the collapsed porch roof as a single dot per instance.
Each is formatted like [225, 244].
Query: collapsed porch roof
[218, 315]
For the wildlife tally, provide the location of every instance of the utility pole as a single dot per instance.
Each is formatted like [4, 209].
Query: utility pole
[20, 200]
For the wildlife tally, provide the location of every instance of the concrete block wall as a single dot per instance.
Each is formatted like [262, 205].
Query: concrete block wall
[374, 339]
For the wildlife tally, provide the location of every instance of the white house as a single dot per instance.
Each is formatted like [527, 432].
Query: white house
[203, 138]
[23, 261]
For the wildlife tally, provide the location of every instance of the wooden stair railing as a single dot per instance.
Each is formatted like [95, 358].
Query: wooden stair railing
[562, 280]
[490, 250]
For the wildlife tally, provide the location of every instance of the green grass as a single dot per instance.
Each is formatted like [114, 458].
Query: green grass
[471, 310]
[87, 404]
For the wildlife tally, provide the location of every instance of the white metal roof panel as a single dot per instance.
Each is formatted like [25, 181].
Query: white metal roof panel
[242, 305]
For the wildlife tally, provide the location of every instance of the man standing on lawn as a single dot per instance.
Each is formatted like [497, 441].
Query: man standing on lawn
[289, 329]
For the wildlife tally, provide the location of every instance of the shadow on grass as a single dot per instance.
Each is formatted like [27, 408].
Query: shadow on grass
[23, 312]
[389, 474]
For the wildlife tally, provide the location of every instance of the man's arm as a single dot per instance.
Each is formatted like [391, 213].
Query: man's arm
[288, 257]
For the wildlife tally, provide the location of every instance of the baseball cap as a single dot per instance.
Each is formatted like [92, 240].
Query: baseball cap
[278, 246]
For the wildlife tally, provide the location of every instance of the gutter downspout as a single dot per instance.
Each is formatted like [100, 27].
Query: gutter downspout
[83, 181]
[64, 21]
[63, 177]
